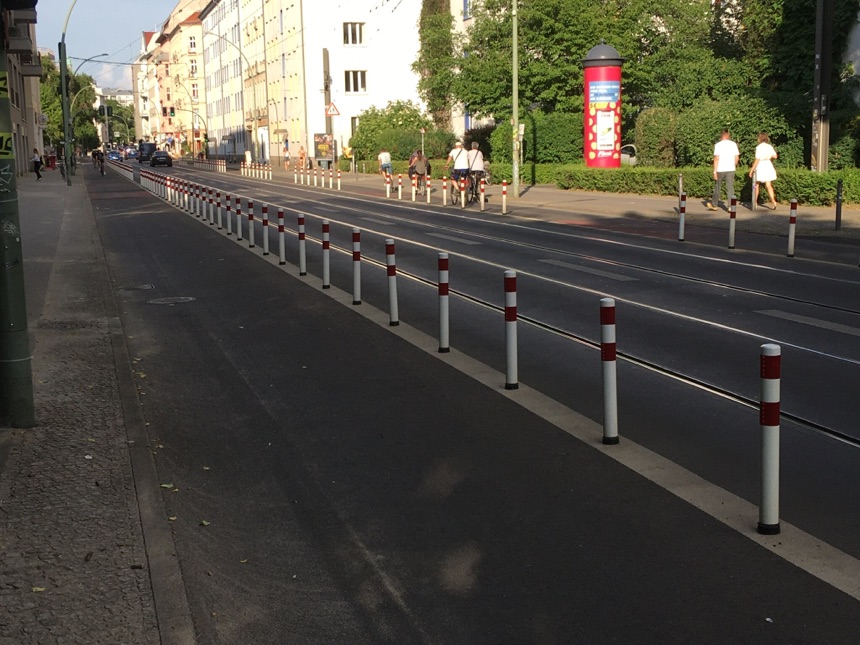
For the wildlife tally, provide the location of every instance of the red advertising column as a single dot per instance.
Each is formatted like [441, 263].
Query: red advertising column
[602, 120]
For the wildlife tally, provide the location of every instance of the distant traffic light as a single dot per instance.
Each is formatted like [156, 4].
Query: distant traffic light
[164, 111]
[110, 110]
[172, 111]
[101, 110]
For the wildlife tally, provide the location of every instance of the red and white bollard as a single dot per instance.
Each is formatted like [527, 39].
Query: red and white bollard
[387, 186]
[462, 192]
[607, 358]
[444, 191]
[315, 178]
[444, 329]
[511, 330]
[326, 244]
[483, 191]
[265, 215]
[229, 215]
[238, 218]
[211, 207]
[303, 263]
[330, 178]
[338, 179]
[504, 197]
[282, 241]
[733, 214]
[218, 214]
[391, 266]
[356, 266]
[250, 224]
[400, 186]
[682, 216]
[768, 519]
[414, 186]
[428, 188]
[792, 226]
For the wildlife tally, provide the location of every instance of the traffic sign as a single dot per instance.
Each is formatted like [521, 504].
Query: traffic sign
[331, 110]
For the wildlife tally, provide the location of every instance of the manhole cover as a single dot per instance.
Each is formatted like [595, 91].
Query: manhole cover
[171, 301]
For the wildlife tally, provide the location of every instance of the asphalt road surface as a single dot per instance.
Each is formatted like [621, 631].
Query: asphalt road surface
[330, 482]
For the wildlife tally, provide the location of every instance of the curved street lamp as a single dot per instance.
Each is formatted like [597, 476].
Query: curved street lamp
[64, 88]
[86, 60]
[253, 92]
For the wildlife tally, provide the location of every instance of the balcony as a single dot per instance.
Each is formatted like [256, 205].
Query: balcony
[31, 65]
[18, 40]
[24, 16]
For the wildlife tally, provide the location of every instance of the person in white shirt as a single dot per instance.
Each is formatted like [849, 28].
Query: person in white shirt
[460, 159]
[476, 159]
[762, 170]
[384, 163]
[726, 156]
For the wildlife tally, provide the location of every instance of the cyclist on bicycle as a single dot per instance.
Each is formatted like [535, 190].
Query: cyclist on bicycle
[460, 159]
[420, 168]
[476, 170]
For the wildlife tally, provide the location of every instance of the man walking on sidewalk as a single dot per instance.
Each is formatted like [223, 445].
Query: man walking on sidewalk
[726, 157]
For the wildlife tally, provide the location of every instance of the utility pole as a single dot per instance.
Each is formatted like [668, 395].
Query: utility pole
[515, 104]
[821, 89]
[16, 376]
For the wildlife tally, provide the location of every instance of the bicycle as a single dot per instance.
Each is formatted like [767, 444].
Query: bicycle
[62, 166]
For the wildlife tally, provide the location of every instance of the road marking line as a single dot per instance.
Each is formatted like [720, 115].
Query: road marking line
[815, 322]
[377, 221]
[597, 272]
[454, 239]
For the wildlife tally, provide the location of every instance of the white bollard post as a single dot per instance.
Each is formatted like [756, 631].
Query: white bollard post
[414, 186]
[483, 190]
[462, 193]
[792, 225]
[444, 329]
[250, 224]
[238, 218]
[444, 191]
[428, 189]
[608, 359]
[326, 279]
[682, 217]
[680, 189]
[387, 186]
[218, 213]
[733, 214]
[229, 215]
[511, 330]
[330, 178]
[504, 197]
[303, 264]
[211, 207]
[295, 175]
[393, 315]
[282, 242]
[356, 266]
[768, 519]
[338, 179]
[400, 186]
[265, 214]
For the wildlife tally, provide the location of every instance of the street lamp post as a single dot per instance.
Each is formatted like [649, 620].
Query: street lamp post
[253, 95]
[515, 104]
[64, 89]
[71, 168]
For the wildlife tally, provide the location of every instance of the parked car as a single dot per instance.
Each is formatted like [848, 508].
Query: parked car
[131, 153]
[160, 158]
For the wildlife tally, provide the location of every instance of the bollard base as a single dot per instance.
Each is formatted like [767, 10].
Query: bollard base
[394, 323]
[303, 274]
[444, 350]
[610, 441]
[512, 386]
[356, 302]
[283, 263]
[789, 255]
[326, 286]
[768, 529]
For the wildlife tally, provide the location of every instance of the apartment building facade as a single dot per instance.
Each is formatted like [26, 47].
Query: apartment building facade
[24, 69]
[284, 74]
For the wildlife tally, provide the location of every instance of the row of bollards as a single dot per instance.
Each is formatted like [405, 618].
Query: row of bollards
[303, 176]
[200, 202]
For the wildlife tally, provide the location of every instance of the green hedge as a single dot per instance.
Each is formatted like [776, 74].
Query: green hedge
[813, 189]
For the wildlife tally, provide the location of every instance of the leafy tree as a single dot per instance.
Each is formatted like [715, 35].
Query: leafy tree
[375, 125]
[435, 63]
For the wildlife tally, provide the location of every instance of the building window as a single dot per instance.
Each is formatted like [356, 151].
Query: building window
[193, 66]
[192, 43]
[167, 70]
[195, 95]
[353, 124]
[467, 9]
[355, 81]
[353, 33]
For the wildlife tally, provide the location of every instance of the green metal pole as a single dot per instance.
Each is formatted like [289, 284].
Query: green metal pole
[16, 377]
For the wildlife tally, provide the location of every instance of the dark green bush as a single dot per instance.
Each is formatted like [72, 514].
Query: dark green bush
[655, 137]
[548, 138]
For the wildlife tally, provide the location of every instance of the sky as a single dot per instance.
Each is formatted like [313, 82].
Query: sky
[97, 27]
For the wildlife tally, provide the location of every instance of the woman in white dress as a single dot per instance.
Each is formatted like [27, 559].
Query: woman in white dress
[762, 170]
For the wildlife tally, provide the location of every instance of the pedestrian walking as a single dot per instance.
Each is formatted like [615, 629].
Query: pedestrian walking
[36, 163]
[726, 157]
[762, 170]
